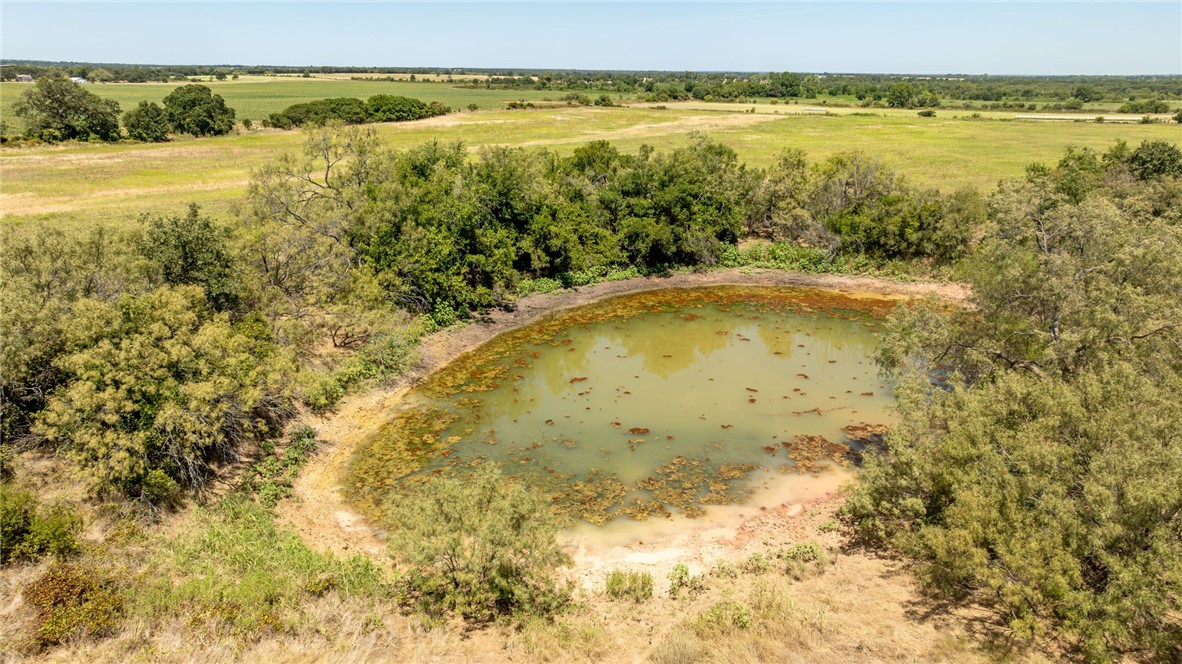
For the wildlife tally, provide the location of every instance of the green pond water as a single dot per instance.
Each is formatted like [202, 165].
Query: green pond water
[657, 405]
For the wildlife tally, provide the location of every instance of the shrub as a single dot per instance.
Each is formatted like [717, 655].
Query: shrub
[188, 388]
[481, 547]
[28, 532]
[271, 478]
[391, 108]
[73, 602]
[1144, 106]
[1156, 159]
[385, 356]
[725, 569]
[348, 110]
[756, 563]
[927, 113]
[722, 618]
[147, 122]
[637, 586]
[803, 558]
[160, 490]
[680, 579]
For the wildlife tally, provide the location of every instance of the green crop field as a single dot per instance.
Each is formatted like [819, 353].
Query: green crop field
[255, 97]
[118, 182]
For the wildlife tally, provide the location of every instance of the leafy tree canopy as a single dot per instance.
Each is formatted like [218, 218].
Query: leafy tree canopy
[195, 109]
[1040, 476]
[147, 122]
[56, 109]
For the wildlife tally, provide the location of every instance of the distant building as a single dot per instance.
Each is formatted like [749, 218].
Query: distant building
[24, 78]
[78, 79]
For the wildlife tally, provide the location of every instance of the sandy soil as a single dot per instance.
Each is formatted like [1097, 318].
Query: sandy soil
[319, 513]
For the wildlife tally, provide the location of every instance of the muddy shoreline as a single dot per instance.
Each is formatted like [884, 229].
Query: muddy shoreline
[322, 517]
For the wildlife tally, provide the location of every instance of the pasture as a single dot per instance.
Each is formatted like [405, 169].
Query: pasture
[255, 97]
[115, 183]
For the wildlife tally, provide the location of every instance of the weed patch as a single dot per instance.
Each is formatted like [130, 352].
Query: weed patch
[637, 586]
[72, 601]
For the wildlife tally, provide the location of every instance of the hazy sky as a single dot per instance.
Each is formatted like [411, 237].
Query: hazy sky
[893, 37]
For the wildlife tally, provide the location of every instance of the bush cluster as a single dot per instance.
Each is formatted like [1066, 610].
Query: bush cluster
[1144, 106]
[73, 601]
[350, 111]
[28, 531]
[1020, 476]
[445, 234]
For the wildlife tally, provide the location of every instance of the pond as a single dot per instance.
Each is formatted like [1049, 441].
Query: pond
[657, 405]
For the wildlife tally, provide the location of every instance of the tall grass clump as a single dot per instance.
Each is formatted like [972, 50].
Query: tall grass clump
[636, 586]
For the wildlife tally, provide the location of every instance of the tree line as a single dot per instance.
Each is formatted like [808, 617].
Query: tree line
[665, 86]
[57, 109]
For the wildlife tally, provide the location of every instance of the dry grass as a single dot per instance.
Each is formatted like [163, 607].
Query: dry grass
[858, 608]
[82, 183]
[862, 610]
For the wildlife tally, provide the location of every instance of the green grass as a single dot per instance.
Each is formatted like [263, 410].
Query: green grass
[255, 97]
[636, 586]
[239, 572]
[83, 183]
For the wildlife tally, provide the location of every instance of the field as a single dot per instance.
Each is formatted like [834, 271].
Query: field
[255, 97]
[112, 183]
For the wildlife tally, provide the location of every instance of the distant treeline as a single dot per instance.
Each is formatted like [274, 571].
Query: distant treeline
[665, 86]
[893, 90]
[350, 110]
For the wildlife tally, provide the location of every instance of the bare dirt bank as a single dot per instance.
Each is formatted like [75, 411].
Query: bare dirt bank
[321, 516]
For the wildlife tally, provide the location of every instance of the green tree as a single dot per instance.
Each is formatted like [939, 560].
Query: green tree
[391, 108]
[1087, 93]
[147, 122]
[484, 547]
[100, 75]
[43, 274]
[56, 108]
[1027, 482]
[159, 384]
[902, 94]
[1156, 159]
[191, 250]
[195, 109]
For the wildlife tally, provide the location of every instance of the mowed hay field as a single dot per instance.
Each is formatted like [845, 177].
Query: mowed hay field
[96, 183]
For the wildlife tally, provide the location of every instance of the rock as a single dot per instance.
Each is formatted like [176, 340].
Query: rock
[795, 509]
